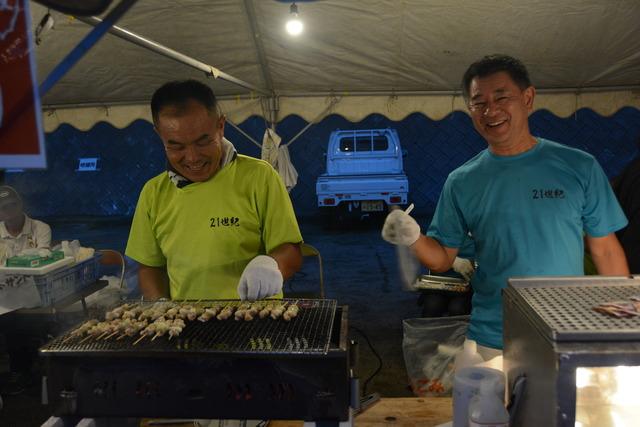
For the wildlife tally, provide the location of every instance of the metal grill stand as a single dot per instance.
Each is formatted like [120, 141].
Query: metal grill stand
[551, 329]
[225, 370]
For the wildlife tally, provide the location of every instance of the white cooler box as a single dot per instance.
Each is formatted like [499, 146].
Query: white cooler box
[59, 279]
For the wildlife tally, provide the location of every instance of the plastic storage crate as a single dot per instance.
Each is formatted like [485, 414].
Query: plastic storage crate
[59, 284]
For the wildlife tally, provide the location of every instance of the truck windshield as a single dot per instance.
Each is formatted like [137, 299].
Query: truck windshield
[364, 143]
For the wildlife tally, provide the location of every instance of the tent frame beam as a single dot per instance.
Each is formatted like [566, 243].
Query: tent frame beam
[173, 54]
[85, 44]
[574, 91]
[249, 7]
[257, 38]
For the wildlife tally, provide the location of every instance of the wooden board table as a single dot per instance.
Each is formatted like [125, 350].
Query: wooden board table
[388, 412]
[400, 412]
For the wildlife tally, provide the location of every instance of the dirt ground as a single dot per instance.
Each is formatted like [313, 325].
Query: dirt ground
[361, 271]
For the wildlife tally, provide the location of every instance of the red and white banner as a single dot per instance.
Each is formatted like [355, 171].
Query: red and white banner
[21, 136]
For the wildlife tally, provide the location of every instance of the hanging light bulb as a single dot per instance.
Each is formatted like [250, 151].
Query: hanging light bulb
[294, 24]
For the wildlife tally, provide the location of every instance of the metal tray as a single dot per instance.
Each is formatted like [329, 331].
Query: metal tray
[442, 283]
[563, 306]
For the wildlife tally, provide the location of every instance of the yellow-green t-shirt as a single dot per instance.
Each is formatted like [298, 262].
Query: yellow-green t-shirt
[207, 232]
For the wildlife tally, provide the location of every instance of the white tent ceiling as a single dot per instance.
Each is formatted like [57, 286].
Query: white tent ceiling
[390, 47]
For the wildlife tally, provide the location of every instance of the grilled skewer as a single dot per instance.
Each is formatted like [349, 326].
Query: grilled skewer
[162, 327]
[132, 329]
[278, 311]
[209, 313]
[195, 311]
[176, 327]
[81, 330]
[118, 312]
[241, 310]
[226, 312]
[253, 311]
[291, 312]
[149, 330]
[266, 310]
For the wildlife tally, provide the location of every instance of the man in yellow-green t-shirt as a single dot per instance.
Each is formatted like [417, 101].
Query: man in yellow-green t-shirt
[217, 224]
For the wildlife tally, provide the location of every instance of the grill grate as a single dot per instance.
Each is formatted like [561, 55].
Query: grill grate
[308, 333]
[568, 310]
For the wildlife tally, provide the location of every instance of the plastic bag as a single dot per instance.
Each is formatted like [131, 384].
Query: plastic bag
[430, 346]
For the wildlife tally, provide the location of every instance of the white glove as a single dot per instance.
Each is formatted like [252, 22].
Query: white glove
[464, 267]
[400, 229]
[260, 279]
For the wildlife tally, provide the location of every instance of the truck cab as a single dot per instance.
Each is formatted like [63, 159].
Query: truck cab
[364, 173]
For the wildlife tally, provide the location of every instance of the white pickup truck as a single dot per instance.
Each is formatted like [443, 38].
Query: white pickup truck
[364, 173]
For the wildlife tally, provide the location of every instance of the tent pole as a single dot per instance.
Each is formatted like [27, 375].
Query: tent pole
[170, 53]
[85, 44]
[257, 39]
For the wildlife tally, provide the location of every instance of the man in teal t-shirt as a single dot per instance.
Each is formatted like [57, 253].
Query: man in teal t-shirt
[216, 224]
[527, 202]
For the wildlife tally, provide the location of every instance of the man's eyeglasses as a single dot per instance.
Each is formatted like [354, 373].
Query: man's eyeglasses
[175, 148]
[481, 106]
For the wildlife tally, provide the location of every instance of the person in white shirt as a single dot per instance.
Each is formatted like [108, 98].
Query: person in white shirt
[17, 231]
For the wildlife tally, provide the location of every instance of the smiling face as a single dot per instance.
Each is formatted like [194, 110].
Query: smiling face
[192, 137]
[500, 112]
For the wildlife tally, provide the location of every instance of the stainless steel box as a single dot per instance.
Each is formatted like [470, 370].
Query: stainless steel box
[581, 367]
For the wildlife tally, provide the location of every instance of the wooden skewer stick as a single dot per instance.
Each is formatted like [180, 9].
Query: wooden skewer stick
[69, 338]
[139, 339]
[110, 335]
[103, 334]
[88, 337]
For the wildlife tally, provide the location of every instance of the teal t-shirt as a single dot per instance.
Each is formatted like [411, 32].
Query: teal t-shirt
[527, 215]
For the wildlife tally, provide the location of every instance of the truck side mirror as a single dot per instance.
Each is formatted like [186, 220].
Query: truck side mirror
[404, 152]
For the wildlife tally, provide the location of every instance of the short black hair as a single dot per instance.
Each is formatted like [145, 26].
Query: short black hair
[492, 64]
[179, 92]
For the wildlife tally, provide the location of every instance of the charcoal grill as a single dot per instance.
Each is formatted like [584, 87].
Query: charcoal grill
[260, 369]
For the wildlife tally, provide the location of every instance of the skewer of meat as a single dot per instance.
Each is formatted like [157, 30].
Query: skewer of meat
[241, 310]
[113, 327]
[149, 330]
[132, 313]
[184, 311]
[176, 328]
[195, 311]
[278, 311]
[209, 313]
[173, 327]
[266, 310]
[117, 312]
[156, 311]
[291, 312]
[226, 312]
[151, 314]
[81, 330]
[116, 326]
[96, 330]
[171, 313]
[253, 311]
[133, 329]
[162, 327]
